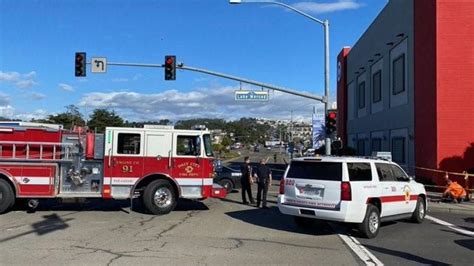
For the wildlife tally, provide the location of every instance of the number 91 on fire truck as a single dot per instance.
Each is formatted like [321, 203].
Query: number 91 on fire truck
[158, 164]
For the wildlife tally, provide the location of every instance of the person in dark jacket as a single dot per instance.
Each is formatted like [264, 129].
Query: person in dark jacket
[264, 181]
[247, 181]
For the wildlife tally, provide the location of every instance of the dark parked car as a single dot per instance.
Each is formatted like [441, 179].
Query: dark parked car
[228, 178]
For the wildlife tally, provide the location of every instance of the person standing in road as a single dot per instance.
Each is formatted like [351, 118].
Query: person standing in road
[264, 181]
[246, 181]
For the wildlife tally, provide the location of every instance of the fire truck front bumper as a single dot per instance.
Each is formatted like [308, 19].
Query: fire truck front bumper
[218, 191]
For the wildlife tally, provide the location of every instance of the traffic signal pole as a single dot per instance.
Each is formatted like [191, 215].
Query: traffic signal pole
[226, 76]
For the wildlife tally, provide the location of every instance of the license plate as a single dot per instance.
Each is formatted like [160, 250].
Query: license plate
[314, 192]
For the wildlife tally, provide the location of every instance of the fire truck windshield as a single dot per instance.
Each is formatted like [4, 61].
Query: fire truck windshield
[208, 145]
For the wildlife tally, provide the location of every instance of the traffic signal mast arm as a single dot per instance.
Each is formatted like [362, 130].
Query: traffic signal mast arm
[222, 75]
[256, 83]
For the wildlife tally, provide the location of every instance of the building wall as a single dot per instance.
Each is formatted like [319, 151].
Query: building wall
[342, 95]
[392, 118]
[455, 84]
[426, 137]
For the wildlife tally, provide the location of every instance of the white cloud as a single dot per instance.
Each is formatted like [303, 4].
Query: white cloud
[9, 76]
[137, 77]
[7, 111]
[27, 116]
[22, 81]
[318, 8]
[25, 84]
[37, 96]
[65, 87]
[120, 80]
[4, 100]
[200, 103]
[12, 113]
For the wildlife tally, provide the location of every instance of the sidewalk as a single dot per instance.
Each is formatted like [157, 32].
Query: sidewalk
[434, 204]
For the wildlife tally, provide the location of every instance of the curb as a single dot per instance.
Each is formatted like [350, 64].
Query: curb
[432, 207]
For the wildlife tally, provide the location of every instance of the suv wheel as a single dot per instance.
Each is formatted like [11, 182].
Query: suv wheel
[371, 224]
[227, 184]
[303, 222]
[420, 211]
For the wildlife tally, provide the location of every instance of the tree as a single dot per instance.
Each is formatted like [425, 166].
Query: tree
[226, 141]
[102, 118]
[72, 117]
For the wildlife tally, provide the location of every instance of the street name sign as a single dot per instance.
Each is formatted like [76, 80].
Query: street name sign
[99, 64]
[258, 96]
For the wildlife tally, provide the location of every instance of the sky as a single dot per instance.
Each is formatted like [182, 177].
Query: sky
[262, 42]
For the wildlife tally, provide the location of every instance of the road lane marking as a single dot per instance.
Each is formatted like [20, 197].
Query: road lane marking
[450, 226]
[364, 254]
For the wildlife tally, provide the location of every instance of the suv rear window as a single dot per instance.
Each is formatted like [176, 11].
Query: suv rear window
[316, 170]
[359, 171]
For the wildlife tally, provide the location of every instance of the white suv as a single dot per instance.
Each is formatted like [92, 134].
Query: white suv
[352, 190]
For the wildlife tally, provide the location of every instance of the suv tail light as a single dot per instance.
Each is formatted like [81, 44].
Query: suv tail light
[346, 193]
[282, 186]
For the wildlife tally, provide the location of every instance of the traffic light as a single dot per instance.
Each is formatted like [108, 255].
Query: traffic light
[80, 65]
[331, 122]
[170, 67]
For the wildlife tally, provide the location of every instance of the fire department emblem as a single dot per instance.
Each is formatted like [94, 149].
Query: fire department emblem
[189, 169]
[406, 192]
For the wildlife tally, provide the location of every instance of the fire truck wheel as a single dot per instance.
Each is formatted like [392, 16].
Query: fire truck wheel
[7, 197]
[159, 197]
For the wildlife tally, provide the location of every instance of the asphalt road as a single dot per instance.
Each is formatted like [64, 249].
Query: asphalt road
[405, 243]
[209, 232]
[215, 232]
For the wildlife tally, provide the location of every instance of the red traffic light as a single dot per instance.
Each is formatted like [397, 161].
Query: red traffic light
[332, 115]
[80, 64]
[170, 67]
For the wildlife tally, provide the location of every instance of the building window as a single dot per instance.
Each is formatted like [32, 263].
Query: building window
[361, 94]
[361, 147]
[398, 150]
[128, 143]
[398, 75]
[376, 144]
[377, 86]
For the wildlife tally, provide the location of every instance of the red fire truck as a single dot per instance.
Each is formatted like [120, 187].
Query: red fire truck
[159, 164]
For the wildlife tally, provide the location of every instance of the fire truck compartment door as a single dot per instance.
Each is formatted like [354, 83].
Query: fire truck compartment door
[127, 157]
[158, 148]
[188, 163]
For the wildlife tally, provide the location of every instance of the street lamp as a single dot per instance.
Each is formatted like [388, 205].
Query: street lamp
[325, 24]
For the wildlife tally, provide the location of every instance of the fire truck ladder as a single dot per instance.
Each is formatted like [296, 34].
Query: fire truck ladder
[48, 151]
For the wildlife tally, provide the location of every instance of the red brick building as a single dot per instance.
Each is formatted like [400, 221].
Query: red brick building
[407, 86]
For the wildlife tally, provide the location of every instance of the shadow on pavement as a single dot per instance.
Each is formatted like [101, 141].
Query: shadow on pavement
[466, 243]
[405, 255]
[101, 205]
[469, 220]
[49, 224]
[271, 218]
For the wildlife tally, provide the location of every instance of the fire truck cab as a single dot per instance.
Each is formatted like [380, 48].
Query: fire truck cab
[159, 164]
